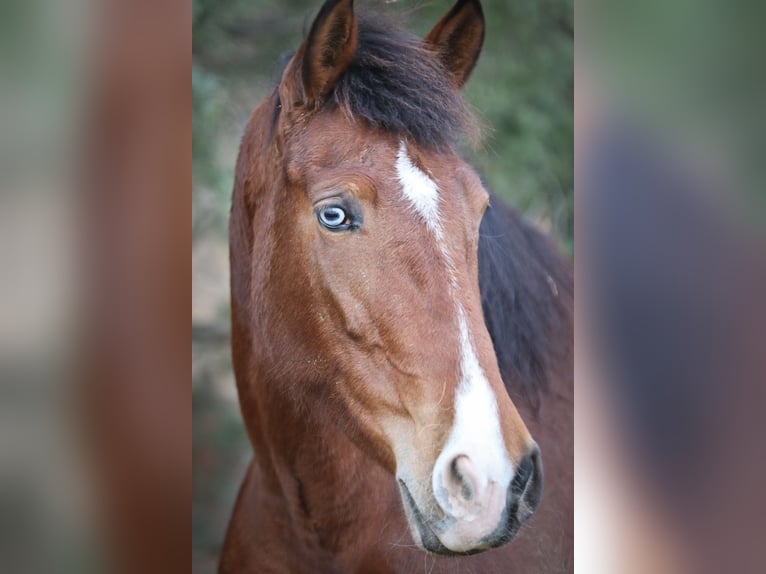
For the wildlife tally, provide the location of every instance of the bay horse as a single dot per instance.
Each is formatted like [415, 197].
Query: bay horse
[384, 314]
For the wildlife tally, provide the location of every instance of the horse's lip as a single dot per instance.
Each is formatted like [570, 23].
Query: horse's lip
[428, 538]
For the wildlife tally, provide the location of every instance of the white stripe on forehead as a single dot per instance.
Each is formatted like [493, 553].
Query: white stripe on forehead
[419, 189]
[476, 427]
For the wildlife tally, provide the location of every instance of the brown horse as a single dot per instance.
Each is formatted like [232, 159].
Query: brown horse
[376, 300]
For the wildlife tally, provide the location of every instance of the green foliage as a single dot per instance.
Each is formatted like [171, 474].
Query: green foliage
[207, 178]
[524, 88]
[206, 112]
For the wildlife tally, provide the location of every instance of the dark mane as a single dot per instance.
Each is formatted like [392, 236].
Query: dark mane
[526, 293]
[397, 84]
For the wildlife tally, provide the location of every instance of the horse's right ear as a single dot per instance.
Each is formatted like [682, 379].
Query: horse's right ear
[324, 55]
[457, 39]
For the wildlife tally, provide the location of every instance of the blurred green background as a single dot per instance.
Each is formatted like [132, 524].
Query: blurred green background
[522, 89]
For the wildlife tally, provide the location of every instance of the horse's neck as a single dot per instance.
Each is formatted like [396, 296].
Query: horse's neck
[313, 502]
[332, 490]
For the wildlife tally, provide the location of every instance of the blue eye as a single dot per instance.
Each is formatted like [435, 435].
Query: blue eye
[333, 217]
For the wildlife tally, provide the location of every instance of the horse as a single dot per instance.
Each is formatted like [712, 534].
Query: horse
[385, 309]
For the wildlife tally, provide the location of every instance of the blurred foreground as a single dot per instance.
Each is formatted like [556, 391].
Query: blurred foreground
[95, 423]
[671, 273]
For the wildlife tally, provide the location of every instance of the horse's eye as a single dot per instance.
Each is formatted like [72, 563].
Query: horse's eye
[333, 218]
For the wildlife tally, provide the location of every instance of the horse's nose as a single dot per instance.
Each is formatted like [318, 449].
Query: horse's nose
[469, 491]
[485, 510]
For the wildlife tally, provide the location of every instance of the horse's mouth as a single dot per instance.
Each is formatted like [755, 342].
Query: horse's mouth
[428, 539]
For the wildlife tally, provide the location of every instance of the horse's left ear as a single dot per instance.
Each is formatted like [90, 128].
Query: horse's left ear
[457, 39]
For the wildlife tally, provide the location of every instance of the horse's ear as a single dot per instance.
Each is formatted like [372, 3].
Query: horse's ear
[458, 37]
[324, 55]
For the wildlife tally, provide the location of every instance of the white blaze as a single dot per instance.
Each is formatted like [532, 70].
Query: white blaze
[420, 190]
[476, 429]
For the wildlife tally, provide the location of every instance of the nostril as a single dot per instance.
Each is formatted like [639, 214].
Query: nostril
[463, 480]
[522, 476]
[534, 490]
[459, 469]
[527, 483]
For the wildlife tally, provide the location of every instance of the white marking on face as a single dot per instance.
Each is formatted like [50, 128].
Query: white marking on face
[476, 429]
[420, 190]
